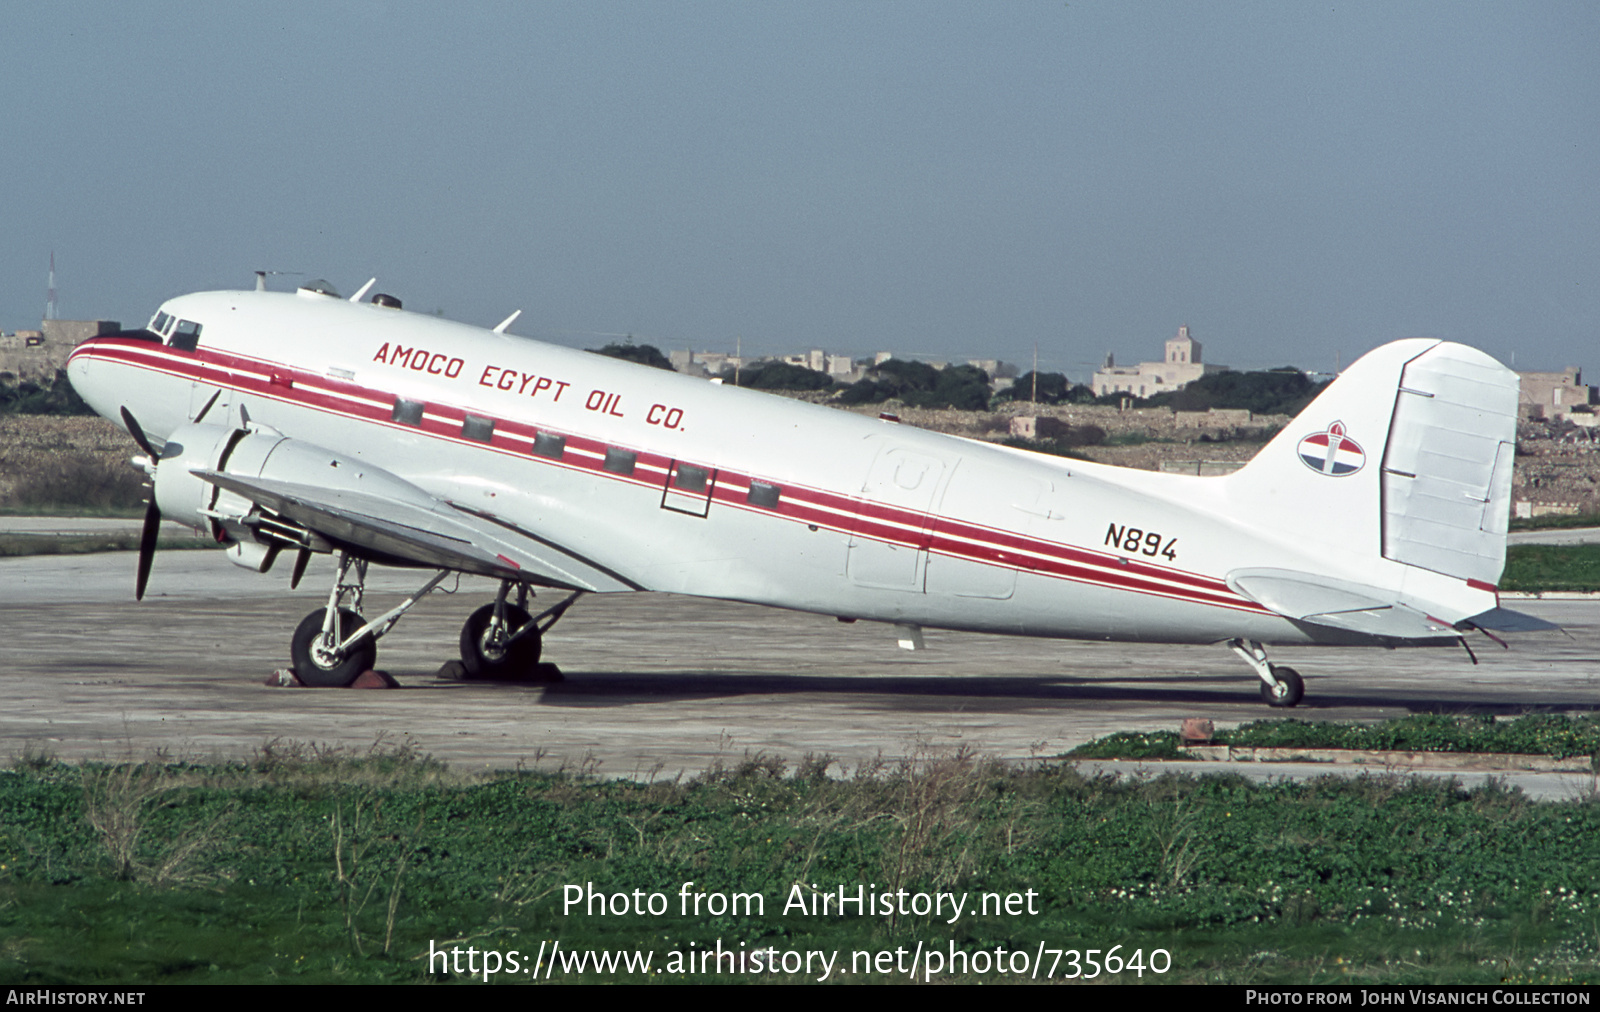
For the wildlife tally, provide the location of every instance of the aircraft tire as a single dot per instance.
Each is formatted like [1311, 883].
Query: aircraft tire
[520, 661]
[321, 676]
[1291, 688]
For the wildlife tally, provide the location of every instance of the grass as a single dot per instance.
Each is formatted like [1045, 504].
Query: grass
[79, 544]
[1548, 568]
[71, 510]
[1531, 734]
[315, 866]
[1555, 521]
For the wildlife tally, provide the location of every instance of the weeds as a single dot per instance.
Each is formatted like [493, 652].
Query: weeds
[121, 803]
[359, 843]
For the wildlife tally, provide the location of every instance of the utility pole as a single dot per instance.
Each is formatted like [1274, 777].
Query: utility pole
[1034, 399]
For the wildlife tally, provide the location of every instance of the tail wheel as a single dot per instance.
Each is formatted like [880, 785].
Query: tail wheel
[493, 657]
[315, 664]
[1291, 688]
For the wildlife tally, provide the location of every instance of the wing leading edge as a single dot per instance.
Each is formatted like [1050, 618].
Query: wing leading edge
[424, 531]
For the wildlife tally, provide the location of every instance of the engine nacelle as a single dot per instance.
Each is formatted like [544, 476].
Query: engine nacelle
[188, 499]
[256, 452]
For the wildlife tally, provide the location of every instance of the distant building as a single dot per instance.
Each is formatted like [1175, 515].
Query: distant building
[1551, 396]
[37, 354]
[1181, 367]
[705, 363]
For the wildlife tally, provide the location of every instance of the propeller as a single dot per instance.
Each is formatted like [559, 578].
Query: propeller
[137, 432]
[202, 415]
[147, 546]
[152, 512]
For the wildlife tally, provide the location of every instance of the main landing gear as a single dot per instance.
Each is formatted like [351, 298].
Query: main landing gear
[1280, 685]
[500, 641]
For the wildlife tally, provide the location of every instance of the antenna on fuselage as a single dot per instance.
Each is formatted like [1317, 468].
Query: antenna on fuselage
[261, 278]
[361, 293]
[500, 328]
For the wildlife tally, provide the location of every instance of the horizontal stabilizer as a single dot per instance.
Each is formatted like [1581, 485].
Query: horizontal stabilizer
[1337, 604]
[424, 531]
[1506, 620]
[1394, 622]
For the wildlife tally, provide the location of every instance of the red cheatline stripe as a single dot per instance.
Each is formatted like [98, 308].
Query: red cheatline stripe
[837, 511]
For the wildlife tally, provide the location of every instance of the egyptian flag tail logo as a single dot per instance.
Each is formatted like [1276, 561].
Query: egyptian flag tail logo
[1332, 452]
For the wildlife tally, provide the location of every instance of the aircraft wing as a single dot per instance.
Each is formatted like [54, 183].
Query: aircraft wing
[1367, 612]
[424, 531]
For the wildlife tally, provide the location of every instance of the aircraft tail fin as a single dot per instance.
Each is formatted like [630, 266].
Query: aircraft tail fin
[1406, 456]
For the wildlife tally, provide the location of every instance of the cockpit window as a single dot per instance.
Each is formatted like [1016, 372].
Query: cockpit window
[159, 324]
[185, 336]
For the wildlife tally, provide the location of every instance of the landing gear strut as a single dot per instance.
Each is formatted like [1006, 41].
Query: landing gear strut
[1280, 685]
[333, 645]
[501, 641]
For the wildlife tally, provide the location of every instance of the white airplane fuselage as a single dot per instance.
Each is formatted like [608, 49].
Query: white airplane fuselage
[747, 496]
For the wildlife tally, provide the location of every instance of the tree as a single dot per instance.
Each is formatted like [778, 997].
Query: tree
[1054, 388]
[644, 354]
[774, 375]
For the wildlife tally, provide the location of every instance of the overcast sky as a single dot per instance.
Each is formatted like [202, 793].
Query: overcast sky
[1297, 183]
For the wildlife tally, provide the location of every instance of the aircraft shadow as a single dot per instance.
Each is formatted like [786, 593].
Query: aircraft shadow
[592, 689]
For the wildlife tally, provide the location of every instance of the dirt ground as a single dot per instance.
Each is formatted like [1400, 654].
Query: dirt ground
[32, 443]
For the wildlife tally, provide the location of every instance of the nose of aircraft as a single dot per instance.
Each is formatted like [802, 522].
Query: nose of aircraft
[88, 381]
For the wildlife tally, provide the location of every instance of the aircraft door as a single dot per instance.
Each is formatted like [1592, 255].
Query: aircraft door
[981, 560]
[887, 546]
[688, 489]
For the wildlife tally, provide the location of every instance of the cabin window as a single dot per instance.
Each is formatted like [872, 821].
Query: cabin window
[690, 478]
[548, 444]
[185, 336]
[764, 494]
[620, 461]
[407, 412]
[478, 428]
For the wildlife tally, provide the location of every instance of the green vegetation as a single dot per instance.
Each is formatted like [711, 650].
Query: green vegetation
[81, 544]
[774, 375]
[1284, 391]
[1531, 734]
[1555, 521]
[1053, 388]
[920, 385]
[1546, 568]
[644, 354]
[31, 397]
[304, 865]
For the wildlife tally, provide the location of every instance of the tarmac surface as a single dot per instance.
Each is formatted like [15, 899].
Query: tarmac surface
[659, 685]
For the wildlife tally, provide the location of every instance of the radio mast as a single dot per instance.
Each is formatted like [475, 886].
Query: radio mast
[50, 295]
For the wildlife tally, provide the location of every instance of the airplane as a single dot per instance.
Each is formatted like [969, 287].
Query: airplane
[307, 422]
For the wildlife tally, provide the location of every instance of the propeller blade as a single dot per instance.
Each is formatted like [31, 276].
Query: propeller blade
[137, 432]
[147, 545]
[201, 416]
[300, 560]
[271, 557]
